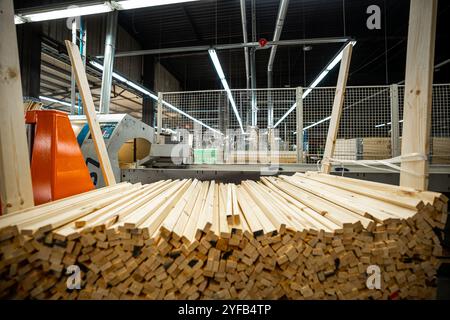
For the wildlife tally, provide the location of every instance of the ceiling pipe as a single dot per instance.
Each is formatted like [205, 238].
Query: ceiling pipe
[282, 11]
[245, 34]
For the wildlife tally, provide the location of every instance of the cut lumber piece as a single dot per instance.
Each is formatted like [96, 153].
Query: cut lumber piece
[255, 226]
[418, 93]
[337, 108]
[57, 206]
[384, 195]
[153, 221]
[187, 211]
[89, 111]
[310, 216]
[51, 221]
[363, 207]
[190, 230]
[267, 226]
[206, 217]
[171, 220]
[16, 190]
[224, 230]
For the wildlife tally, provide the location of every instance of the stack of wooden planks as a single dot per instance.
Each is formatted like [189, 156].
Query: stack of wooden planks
[440, 150]
[376, 148]
[306, 236]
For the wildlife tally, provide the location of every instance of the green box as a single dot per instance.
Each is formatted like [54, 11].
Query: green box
[210, 156]
[198, 156]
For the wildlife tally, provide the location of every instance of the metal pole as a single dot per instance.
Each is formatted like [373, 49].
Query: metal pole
[83, 37]
[253, 68]
[72, 77]
[245, 36]
[108, 61]
[395, 126]
[299, 123]
[159, 116]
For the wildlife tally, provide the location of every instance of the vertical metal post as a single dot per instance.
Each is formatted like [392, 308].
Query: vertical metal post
[395, 127]
[253, 82]
[299, 123]
[83, 37]
[159, 116]
[72, 78]
[253, 68]
[108, 61]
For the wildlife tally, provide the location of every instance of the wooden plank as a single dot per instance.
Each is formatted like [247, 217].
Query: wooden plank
[89, 110]
[418, 92]
[16, 191]
[337, 108]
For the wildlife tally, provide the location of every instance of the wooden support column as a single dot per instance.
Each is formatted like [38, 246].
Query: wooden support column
[15, 177]
[337, 108]
[418, 93]
[89, 110]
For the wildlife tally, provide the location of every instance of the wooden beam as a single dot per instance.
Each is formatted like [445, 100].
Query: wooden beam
[89, 110]
[15, 176]
[337, 108]
[418, 92]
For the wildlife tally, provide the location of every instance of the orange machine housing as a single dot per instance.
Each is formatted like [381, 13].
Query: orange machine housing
[58, 169]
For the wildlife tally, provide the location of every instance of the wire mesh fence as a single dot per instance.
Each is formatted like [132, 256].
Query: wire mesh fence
[370, 127]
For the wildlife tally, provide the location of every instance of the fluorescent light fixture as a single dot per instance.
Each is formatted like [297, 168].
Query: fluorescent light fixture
[18, 19]
[314, 84]
[386, 124]
[152, 95]
[134, 4]
[216, 62]
[77, 11]
[72, 11]
[61, 102]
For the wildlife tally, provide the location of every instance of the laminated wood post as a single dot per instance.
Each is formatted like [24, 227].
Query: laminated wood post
[15, 176]
[337, 108]
[89, 110]
[418, 93]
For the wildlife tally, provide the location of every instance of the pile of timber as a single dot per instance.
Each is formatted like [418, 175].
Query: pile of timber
[307, 236]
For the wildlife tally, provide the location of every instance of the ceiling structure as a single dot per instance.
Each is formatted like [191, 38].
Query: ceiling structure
[378, 58]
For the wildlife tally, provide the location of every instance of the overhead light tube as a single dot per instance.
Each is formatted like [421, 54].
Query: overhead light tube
[219, 70]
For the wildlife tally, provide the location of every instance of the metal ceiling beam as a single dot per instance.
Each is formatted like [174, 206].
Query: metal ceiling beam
[293, 42]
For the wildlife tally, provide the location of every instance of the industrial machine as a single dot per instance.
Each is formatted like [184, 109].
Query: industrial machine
[118, 130]
[130, 144]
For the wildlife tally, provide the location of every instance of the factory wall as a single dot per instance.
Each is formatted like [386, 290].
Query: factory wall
[164, 80]
[131, 67]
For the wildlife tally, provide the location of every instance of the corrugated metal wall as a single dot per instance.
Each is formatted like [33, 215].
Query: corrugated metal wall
[164, 80]
[131, 67]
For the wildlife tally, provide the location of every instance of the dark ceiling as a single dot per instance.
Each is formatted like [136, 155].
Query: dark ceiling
[378, 58]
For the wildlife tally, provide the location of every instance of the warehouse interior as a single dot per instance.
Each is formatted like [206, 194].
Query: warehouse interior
[225, 149]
